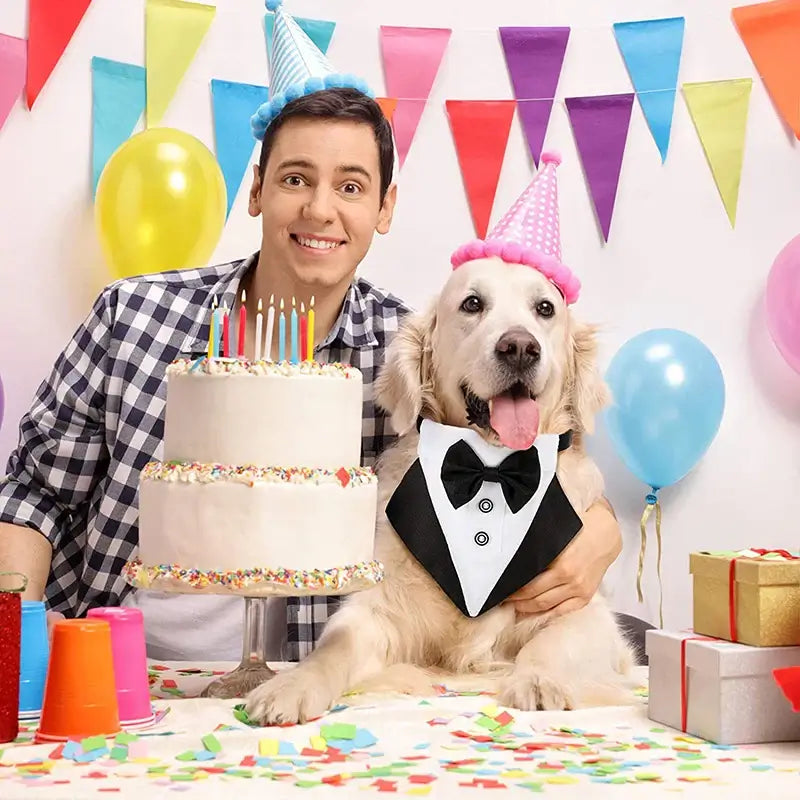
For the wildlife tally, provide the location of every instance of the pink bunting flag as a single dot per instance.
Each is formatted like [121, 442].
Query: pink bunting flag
[13, 54]
[534, 57]
[411, 60]
[600, 126]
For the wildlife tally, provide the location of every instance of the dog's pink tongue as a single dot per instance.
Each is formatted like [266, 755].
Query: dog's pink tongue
[515, 420]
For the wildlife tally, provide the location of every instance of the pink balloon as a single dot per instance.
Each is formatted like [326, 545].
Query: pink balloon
[783, 303]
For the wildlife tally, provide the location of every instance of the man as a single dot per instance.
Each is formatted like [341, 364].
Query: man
[68, 516]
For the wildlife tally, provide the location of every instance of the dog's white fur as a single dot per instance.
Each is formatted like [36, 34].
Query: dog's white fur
[405, 634]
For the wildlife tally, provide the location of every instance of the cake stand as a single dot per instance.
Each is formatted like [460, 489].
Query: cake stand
[256, 587]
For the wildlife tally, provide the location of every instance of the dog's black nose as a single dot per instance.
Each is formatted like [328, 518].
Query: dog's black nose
[518, 349]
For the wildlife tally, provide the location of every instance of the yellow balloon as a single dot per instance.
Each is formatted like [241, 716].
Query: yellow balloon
[160, 203]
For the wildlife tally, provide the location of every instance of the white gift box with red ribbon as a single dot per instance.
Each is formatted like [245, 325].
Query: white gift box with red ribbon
[720, 691]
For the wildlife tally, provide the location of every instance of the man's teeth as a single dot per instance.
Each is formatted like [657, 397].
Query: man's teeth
[317, 243]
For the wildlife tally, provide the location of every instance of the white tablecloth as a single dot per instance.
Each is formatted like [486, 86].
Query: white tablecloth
[402, 745]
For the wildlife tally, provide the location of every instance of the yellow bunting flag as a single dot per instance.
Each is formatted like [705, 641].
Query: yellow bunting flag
[174, 30]
[719, 112]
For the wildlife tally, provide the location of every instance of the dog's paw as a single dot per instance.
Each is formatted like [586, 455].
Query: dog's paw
[296, 695]
[532, 692]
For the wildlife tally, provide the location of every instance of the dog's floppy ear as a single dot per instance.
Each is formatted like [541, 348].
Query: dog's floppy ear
[589, 392]
[404, 387]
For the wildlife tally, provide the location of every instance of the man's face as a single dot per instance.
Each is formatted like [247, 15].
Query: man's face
[319, 200]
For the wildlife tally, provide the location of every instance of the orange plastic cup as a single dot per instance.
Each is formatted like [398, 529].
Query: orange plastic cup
[80, 697]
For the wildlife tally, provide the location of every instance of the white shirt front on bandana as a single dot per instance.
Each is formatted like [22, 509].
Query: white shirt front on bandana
[484, 534]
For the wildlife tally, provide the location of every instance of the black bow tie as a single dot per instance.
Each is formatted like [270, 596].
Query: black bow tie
[463, 473]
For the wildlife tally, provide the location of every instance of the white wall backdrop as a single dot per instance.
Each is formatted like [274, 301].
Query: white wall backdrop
[672, 260]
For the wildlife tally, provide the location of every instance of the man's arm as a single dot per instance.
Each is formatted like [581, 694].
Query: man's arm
[25, 550]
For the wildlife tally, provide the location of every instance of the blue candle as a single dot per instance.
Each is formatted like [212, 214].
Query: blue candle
[295, 358]
[281, 334]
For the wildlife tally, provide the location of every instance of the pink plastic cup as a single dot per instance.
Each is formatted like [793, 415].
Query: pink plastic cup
[130, 664]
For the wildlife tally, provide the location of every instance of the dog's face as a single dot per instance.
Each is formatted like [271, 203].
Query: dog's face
[498, 351]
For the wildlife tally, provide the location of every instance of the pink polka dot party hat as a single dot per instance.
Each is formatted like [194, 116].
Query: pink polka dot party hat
[529, 233]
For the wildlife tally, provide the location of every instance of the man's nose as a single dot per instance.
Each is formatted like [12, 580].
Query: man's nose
[319, 207]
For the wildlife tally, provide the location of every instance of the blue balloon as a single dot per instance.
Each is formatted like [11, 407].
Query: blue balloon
[669, 397]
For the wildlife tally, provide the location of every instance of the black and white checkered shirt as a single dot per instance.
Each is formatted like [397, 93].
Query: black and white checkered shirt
[99, 418]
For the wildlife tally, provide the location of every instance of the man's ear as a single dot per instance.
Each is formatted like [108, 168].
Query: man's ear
[387, 210]
[254, 202]
[404, 386]
[588, 391]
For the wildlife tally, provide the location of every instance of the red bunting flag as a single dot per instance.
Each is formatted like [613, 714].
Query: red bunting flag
[480, 131]
[50, 28]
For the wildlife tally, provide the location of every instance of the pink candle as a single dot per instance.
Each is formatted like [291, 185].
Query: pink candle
[226, 333]
[242, 325]
[303, 331]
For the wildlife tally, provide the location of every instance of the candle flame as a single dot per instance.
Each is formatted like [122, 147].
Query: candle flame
[259, 305]
[214, 303]
[272, 299]
[281, 304]
[312, 302]
[244, 297]
[293, 303]
[302, 308]
[225, 307]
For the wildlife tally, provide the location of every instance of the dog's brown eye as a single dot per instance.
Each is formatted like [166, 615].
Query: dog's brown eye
[545, 309]
[472, 305]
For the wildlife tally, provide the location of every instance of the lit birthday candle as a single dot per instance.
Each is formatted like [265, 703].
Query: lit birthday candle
[310, 332]
[259, 325]
[303, 331]
[281, 334]
[294, 332]
[242, 325]
[212, 329]
[226, 333]
[270, 326]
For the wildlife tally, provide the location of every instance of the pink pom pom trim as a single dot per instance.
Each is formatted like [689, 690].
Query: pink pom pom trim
[550, 157]
[558, 274]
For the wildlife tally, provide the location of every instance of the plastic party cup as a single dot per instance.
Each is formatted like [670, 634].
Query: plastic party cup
[34, 656]
[130, 664]
[80, 697]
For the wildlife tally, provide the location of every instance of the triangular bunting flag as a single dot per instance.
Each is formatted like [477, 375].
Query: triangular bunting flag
[651, 49]
[50, 28]
[788, 678]
[411, 59]
[534, 57]
[174, 30]
[118, 99]
[600, 126]
[771, 34]
[480, 131]
[719, 112]
[388, 105]
[234, 104]
[320, 31]
[12, 73]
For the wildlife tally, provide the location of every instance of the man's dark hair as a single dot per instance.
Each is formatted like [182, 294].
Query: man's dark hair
[337, 104]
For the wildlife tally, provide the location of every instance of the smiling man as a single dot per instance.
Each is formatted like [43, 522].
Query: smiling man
[323, 188]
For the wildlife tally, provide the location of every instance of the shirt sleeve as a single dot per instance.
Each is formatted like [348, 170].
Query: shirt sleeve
[61, 453]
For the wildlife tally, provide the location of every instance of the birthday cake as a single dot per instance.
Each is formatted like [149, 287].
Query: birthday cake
[260, 489]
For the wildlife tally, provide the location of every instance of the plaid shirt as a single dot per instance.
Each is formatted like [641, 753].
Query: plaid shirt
[99, 418]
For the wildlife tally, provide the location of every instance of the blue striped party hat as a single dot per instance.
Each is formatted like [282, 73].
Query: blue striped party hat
[297, 68]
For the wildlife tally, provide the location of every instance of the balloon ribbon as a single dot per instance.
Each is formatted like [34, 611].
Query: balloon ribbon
[652, 503]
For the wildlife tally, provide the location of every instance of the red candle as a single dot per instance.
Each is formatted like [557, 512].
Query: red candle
[303, 332]
[10, 638]
[242, 325]
[226, 338]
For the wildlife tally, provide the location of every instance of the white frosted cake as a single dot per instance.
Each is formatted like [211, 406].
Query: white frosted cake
[260, 489]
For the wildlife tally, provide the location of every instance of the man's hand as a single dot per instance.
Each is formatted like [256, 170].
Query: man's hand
[570, 582]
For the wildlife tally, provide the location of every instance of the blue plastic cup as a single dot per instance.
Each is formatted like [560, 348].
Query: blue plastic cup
[34, 657]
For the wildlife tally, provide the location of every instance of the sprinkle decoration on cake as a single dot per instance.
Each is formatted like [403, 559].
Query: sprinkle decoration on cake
[243, 366]
[315, 580]
[251, 474]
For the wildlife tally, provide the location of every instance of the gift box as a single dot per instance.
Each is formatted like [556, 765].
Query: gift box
[749, 596]
[720, 691]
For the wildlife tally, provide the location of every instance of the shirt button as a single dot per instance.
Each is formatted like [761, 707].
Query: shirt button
[486, 505]
[481, 538]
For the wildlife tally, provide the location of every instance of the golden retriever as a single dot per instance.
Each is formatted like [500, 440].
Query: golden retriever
[448, 365]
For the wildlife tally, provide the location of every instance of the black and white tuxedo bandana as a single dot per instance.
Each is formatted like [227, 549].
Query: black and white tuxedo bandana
[483, 520]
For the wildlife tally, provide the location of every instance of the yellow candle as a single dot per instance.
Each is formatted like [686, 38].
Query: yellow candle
[212, 324]
[310, 332]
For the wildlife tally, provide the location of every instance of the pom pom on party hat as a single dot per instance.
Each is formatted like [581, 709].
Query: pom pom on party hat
[529, 233]
[297, 68]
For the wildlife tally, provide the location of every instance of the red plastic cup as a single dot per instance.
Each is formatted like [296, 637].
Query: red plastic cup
[80, 697]
[130, 664]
